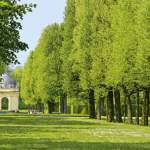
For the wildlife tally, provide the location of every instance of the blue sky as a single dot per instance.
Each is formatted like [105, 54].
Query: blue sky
[47, 12]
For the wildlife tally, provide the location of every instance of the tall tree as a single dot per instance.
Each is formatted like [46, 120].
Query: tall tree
[11, 12]
[67, 47]
[82, 49]
[101, 49]
[48, 74]
[28, 82]
[143, 55]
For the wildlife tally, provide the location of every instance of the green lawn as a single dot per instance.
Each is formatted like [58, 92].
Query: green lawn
[60, 133]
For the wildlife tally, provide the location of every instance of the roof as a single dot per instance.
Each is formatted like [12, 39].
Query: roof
[7, 81]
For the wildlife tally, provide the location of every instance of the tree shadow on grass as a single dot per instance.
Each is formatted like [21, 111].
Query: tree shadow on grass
[47, 144]
[43, 121]
[25, 125]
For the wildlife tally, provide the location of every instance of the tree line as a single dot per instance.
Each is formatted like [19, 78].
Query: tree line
[100, 53]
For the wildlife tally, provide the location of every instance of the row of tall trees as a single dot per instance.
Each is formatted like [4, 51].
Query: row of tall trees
[99, 53]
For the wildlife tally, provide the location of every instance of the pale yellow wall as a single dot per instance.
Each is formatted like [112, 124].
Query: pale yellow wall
[13, 97]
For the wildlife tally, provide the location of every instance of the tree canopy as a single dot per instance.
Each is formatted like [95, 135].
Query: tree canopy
[11, 12]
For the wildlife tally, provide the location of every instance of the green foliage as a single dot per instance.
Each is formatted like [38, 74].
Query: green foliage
[44, 82]
[50, 70]
[82, 39]
[17, 75]
[10, 14]
[143, 39]
[70, 77]
[27, 82]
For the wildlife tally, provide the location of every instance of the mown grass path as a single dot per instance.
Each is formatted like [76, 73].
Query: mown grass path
[61, 133]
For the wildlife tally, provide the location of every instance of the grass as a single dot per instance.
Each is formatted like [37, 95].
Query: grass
[23, 132]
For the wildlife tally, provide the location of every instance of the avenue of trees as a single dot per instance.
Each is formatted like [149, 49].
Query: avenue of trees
[100, 55]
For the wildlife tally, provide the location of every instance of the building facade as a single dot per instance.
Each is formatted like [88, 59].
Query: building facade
[9, 90]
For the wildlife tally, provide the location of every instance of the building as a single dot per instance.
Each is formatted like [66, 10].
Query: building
[9, 91]
[7, 82]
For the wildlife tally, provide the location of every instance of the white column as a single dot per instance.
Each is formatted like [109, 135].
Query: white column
[13, 103]
[9, 103]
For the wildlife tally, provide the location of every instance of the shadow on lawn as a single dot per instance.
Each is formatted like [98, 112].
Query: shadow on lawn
[21, 120]
[27, 125]
[47, 144]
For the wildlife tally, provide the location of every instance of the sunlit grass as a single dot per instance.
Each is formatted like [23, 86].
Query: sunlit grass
[56, 133]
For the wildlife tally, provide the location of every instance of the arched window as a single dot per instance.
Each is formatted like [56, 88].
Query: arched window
[5, 102]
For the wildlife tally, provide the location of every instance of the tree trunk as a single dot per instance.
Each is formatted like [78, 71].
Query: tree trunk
[92, 113]
[117, 106]
[100, 107]
[72, 109]
[129, 110]
[110, 106]
[137, 108]
[40, 106]
[146, 107]
[49, 107]
[63, 103]
[107, 108]
[43, 108]
[53, 105]
[125, 108]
